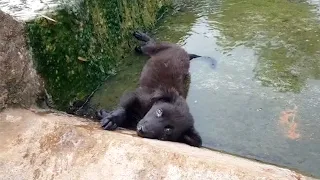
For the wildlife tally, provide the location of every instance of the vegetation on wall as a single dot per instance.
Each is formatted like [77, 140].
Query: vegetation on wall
[80, 48]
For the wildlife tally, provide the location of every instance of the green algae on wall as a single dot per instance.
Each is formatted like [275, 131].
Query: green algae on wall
[83, 46]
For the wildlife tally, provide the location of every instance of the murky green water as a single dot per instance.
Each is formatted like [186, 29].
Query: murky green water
[263, 99]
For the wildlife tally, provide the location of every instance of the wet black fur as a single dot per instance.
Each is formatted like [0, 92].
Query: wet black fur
[161, 86]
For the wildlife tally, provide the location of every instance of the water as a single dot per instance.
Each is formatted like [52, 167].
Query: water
[263, 99]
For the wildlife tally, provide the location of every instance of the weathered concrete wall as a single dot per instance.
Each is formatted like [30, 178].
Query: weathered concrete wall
[19, 83]
[35, 146]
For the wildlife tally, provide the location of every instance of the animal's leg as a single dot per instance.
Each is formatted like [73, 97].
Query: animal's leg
[148, 46]
[142, 36]
[117, 117]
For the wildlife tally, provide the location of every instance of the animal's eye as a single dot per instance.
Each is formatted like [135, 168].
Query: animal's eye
[159, 112]
[168, 130]
[168, 127]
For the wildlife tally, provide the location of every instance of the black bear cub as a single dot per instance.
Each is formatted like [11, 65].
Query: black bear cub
[157, 109]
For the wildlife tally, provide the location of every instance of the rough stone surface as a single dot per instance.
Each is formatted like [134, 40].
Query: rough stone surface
[52, 146]
[19, 82]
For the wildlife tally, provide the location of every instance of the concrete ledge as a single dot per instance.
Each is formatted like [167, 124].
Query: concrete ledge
[56, 146]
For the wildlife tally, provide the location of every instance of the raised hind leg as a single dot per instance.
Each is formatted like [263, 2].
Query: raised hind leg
[142, 36]
[147, 44]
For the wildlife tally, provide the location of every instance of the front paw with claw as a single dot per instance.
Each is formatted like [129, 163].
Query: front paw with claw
[101, 114]
[110, 121]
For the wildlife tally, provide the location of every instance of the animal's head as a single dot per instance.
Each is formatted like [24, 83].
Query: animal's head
[169, 119]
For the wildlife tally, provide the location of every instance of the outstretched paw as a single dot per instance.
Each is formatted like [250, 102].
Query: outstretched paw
[110, 121]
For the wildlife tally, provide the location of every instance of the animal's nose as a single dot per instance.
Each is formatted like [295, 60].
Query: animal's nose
[140, 129]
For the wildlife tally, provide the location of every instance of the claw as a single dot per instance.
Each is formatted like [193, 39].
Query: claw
[101, 114]
[110, 121]
[137, 34]
[106, 120]
[109, 125]
[138, 49]
[113, 127]
[141, 36]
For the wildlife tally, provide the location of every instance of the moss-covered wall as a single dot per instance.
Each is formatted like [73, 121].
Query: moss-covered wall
[86, 44]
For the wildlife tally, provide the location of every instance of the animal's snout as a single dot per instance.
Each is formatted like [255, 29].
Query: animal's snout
[140, 130]
[144, 131]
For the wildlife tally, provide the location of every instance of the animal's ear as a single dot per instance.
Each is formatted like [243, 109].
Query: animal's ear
[165, 95]
[192, 137]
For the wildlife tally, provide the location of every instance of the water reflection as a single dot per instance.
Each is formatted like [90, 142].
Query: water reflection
[232, 110]
[285, 36]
